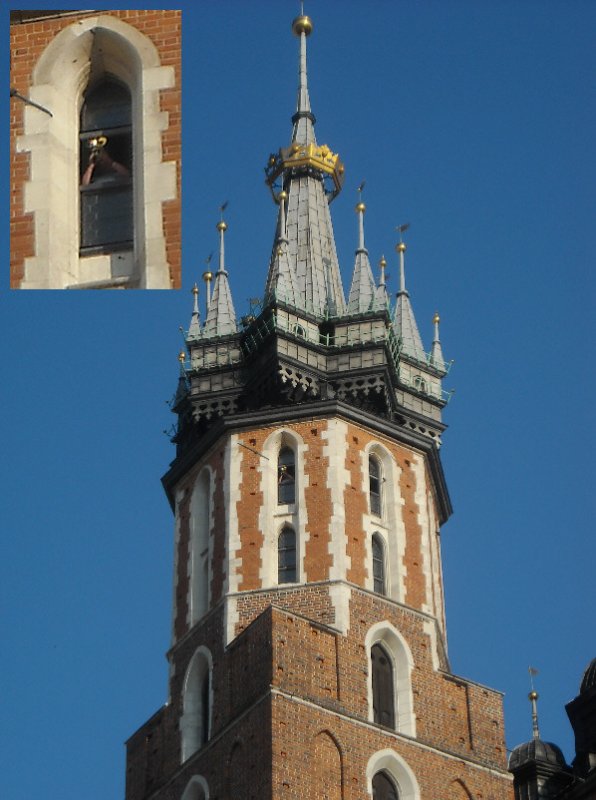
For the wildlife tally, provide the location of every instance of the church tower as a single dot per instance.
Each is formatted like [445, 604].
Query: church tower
[309, 655]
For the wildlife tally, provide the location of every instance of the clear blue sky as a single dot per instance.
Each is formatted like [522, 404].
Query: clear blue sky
[473, 121]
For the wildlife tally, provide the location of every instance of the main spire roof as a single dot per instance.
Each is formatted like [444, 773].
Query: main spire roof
[302, 171]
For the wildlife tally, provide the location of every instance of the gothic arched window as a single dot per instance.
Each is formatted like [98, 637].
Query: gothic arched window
[286, 555]
[195, 722]
[383, 787]
[286, 476]
[382, 687]
[374, 483]
[378, 559]
[106, 161]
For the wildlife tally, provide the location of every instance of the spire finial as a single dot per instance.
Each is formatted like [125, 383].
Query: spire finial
[382, 265]
[401, 249]
[360, 209]
[533, 698]
[208, 277]
[222, 228]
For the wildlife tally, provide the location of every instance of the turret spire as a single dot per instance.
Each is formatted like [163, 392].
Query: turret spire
[382, 298]
[436, 354]
[194, 329]
[362, 290]
[282, 278]
[404, 321]
[221, 317]
[533, 698]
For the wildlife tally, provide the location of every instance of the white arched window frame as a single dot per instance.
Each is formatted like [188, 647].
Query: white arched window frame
[397, 649]
[197, 703]
[196, 789]
[273, 515]
[399, 771]
[389, 525]
[200, 545]
[52, 192]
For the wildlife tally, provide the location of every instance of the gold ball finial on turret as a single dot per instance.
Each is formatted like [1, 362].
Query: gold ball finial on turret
[401, 247]
[182, 356]
[383, 262]
[302, 24]
[195, 290]
[221, 226]
[283, 195]
[533, 695]
[360, 208]
[207, 276]
[436, 318]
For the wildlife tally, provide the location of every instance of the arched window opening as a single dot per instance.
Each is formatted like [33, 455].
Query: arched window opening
[382, 687]
[286, 476]
[195, 722]
[374, 482]
[378, 559]
[197, 789]
[106, 162]
[286, 555]
[383, 787]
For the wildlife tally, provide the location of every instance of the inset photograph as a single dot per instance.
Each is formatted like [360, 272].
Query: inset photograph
[95, 134]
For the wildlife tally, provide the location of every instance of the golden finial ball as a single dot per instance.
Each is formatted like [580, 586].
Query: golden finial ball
[436, 318]
[302, 24]
[360, 208]
[207, 276]
[221, 226]
[182, 356]
[383, 262]
[401, 247]
[195, 289]
[283, 195]
[533, 695]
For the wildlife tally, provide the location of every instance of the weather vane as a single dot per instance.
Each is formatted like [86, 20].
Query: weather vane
[401, 229]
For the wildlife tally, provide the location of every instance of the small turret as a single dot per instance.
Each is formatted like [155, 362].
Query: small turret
[221, 317]
[362, 290]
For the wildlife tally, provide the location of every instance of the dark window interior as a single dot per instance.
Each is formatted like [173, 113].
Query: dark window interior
[383, 788]
[382, 685]
[286, 476]
[374, 477]
[286, 556]
[378, 555]
[106, 164]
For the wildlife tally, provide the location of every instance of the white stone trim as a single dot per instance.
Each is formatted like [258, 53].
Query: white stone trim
[397, 767]
[338, 479]
[232, 495]
[52, 193]
[399, 651]
[423, 521]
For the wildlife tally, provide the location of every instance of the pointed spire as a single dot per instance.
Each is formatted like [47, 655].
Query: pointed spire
[312, 176]
[404, 320]
[207, 278]
[194, 329]
[282, 278]
[362, 290]
[221, 317]
[381, 295]
[303, 120]
[436, 354]
[533, 698]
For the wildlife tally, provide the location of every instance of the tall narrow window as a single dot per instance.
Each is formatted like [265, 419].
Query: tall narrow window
[195, 722]
[383, 787]
[378, 559]
[286, 555]
[106, 168]
[286, 476]
[374, 482]
[382, 687]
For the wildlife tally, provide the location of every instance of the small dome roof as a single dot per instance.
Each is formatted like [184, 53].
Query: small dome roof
[589, 678]
[536, 750]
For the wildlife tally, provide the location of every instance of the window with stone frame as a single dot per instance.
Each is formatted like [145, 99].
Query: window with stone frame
[105, 166]
[383, 690]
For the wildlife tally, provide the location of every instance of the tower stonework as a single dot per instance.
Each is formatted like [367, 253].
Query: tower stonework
[309, 652]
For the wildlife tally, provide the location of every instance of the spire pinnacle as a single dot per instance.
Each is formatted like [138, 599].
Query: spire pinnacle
[436, 353]
[303, 119]
[363, 289]
[194, 329]
[221, 317]
[533, 698]
[405, 322]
